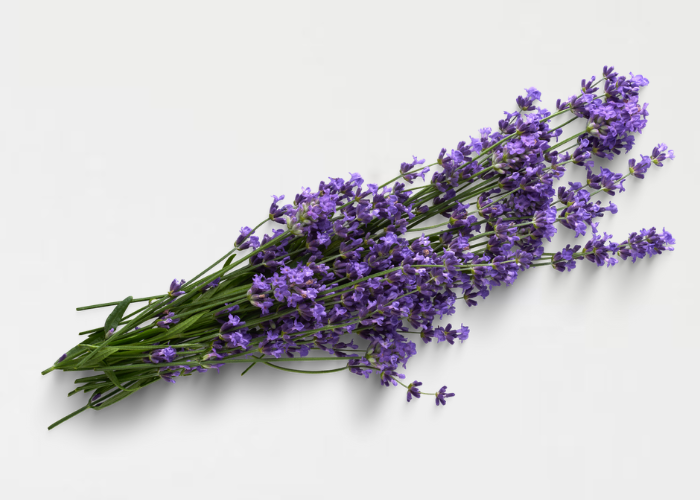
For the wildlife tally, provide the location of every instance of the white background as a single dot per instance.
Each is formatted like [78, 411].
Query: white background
[137, 137]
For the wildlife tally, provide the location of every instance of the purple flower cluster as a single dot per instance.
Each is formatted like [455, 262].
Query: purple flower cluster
[603, 251]
[346, 261]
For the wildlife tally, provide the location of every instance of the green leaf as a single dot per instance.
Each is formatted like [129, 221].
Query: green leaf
[104, 352]
[229, 260]
[117, 314]
[73, 353]
[97, 355]
[94, 338]
[135, 335]
[115, 381]
[182, 326]
[251, 365]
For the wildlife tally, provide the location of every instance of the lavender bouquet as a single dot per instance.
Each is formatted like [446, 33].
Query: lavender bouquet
[357, 272]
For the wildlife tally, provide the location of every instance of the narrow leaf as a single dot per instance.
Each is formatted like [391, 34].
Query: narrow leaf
[115, 381]
[182, 326]
[97, 355]
[117, 314]
[229, 260]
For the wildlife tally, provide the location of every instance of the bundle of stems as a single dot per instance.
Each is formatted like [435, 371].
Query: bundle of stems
[368, 263]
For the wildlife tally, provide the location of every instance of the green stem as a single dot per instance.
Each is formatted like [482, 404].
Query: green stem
[225, 361]
[106, 304]
[565, 141]
[306, 371]
[68, 417]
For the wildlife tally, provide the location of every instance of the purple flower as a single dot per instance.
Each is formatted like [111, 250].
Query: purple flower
[254, 242]
[237, 339]
[211, 285]
[405, 168]
[639, 80]
[543, 222]
[165, 355]
[168, 321]
[441, 395]
[319, 312]
[463, 333]
[607, 181]
[638, 169]
[413, 391]
[533, 94]
[175, 288]
[241, 243]
[274, 349]
[661, 153]
[598, 250]
[215, 365]
[166, 373]
[232, 323]
[214, 354]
